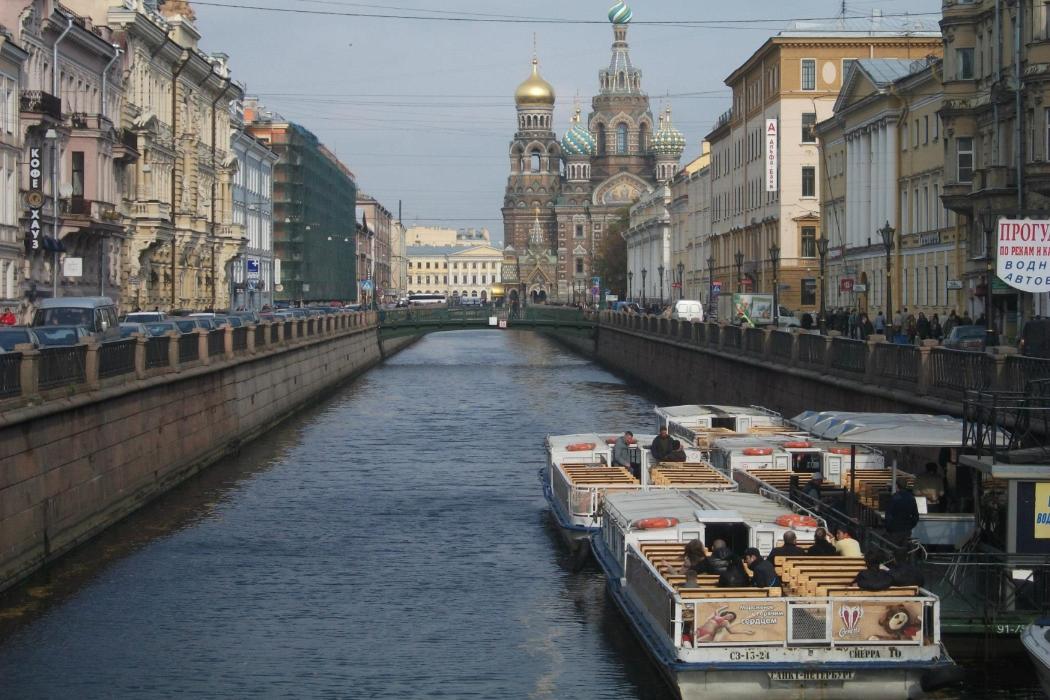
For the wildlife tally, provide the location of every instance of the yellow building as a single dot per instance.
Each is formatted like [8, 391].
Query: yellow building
[884, 157]
[456, 271]
[791, 81]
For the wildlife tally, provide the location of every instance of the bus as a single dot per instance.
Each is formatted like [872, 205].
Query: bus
[427, 299]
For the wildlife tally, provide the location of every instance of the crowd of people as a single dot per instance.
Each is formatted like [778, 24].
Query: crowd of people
[904, 327]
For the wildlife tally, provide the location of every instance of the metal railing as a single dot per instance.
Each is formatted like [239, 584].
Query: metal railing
[996, 423]
[217, 342]
[1001, 591]
[811, 349]
[157, 352]
[260, 336]
[957, 371]
[116, 358]
[731, 337]
[10, 374]
[189, 348]
[849, 355]
[897, 362]
[780, 344]
[240, 339]
[1022, 370]
[755, 340]
[61, 366]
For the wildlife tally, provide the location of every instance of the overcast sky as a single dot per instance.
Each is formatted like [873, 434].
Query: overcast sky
[423, 111]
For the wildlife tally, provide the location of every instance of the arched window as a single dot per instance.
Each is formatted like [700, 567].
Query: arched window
[643, 138]
[601, 139]
[535, 164]
[621, 139]
[621, 81]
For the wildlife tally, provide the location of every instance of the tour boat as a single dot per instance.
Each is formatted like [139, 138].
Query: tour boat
[579, 475]
[814, 636]
[1036, 641]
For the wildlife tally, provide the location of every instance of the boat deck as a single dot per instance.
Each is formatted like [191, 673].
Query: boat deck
[689, 474]
[598, 475]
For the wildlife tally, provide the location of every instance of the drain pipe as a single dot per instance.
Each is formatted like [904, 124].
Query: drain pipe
[175, 73]
[117, 51]
[54, 57]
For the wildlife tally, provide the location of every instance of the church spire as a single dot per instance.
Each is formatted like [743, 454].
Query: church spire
[621, 77]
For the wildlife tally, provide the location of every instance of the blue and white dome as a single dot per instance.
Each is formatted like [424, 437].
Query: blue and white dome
[578, 141]
[667, 141]
[620, 13]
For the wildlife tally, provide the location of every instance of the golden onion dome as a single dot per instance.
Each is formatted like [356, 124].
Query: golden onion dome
[535, 90]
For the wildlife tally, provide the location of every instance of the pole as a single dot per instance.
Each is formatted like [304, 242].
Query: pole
[54, 215]
[889, 291]
[175, 73]
[990, 335]
[823, 289]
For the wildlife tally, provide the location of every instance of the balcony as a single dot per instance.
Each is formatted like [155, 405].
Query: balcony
[956, 196]
[40, 102]
[95, 122]
[88, 213]
[1037, 176]
[151, 210]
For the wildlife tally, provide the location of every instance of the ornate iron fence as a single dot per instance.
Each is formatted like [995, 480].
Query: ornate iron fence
[116, 358]
[956, 371]
[240, 339]
[260, 336]
[189, 348]
[811, 349]
[157, 352]
[1022, 370]
[217, 342]
[731, 337]
[61, 366]
[755, 341]
[849, 355]
[10, 374]
[897, 362]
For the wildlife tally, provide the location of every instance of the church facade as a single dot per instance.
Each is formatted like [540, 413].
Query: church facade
[562, 194]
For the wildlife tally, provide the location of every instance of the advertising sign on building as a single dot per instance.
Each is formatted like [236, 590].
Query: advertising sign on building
[860, 288]
[34, 200]
[1023, 255]
[772, 141]
[846, 284]
[72, 267]
[253, 267]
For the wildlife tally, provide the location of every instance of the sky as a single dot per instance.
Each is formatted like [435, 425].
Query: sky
[422, 110]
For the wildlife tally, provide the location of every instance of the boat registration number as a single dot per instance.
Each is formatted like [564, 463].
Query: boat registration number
[811, 675]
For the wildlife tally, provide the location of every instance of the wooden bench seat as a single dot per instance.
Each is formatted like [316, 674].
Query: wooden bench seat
[895, 592]
[590, 475]
[730, 592]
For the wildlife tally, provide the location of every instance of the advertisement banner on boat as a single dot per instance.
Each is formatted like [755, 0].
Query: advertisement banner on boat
[864, 623]
[752, 622]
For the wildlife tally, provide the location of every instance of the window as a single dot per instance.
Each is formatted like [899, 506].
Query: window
[535, 162]
[964, 148]
[809, 291]
[915, 133]
[964, 64]
[936, 127]
[809, 241]
[78, 173]
[809, 127]
[579, 266]
[926, 129]
[809, 74]
[809, 181]
[621, 139]
[579, 231]
[847, 63]
[601, 139]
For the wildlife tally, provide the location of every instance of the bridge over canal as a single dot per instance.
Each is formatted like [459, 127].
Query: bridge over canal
[417, 321]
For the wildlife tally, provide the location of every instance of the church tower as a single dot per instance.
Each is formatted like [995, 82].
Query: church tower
[534, 165]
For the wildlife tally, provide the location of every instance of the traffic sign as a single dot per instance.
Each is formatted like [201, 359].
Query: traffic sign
[716, 286]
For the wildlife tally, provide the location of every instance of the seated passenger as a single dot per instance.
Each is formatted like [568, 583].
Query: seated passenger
[763, 573]
[690, 579]
[873, 577]
[845, 545]
[788, 549]
[695, 559]
[734, 576]
[822, 546]
[677, 454]
[906, 574]
[720, 555]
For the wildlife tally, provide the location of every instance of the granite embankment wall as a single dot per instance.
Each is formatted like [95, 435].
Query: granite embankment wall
[75, 463]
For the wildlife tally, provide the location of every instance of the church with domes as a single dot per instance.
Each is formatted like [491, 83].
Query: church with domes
[562, 194]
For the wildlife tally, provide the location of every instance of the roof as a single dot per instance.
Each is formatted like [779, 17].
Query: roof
[750, 506]
[74, 302]
[430, 250]
[635, 505]
[697, 410]
[883, 71]
[876, 25]
[883, 429]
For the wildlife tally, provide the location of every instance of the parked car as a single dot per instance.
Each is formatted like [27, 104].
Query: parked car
[186, 324]
[10, 336]
[966, 338]
[54, 336]
[144, 317]
[246, 316]
[159, 328]
[128, 329]
[1035, 338]
[688, 310]
[234, 321]
[97, 314]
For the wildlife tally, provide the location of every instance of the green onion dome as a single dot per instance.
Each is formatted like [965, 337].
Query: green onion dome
[577, 141]
[667, 141]
[620, 13]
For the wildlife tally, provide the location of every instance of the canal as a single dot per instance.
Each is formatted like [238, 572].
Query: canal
[391, 542]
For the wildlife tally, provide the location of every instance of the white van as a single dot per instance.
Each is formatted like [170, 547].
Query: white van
[688, 310]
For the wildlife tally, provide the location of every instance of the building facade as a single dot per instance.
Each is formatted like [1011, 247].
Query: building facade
[884, 156]
[779, 94]
[436, 236]
[691, 225]
[314, 197]
[457, 271]
[399, 261]
[253, 274]
[649, 261]
[14, 248]
[379, 238]
[572, 189]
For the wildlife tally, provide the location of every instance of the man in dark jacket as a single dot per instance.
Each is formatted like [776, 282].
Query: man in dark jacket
[788, 549]
[720, 556]
[677, 454]
[763, 575]
[662, 445]
[734, 576]
[901, 514]
[873, 577]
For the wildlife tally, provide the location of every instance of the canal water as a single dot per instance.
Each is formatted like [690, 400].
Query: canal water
[392, 542]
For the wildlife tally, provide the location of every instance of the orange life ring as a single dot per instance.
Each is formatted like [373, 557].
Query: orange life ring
[797, 444]
[795, 520]
[839, 450]
[654, 523]
[758, 451]
[580, 447]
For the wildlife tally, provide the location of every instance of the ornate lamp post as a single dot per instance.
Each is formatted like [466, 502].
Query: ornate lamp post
[774, 257]
[644, 271]
[630, 279]
[681, 278]
[739, 271]
[660, 269]
[710, 283]
[887, 232]
[989, 221]
[822, 250]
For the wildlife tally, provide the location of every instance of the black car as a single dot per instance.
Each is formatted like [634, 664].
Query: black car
[1035, 338]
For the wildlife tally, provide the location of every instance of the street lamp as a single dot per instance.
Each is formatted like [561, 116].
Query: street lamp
[822, 250]
[644, 271]
[681, 284]
[660, 269]
[710, 283]
[989, 220]
[630, 279]
[887, 232]
[52, 136]
[774, 257]
[739, 271]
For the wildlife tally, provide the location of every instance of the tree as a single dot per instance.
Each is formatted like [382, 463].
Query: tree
[610, 262]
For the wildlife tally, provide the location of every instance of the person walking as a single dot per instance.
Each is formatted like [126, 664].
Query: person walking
[8, 318]
[936, 332]
[902, 515]
[922, 326]
[880, 323]
[949, 323]
[866, 328]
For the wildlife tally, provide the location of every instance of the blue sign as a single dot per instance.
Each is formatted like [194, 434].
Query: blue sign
[366, 285]
[253, 266]
[716, 287]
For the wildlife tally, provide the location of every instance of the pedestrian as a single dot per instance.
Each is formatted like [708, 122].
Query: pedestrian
[812, 487]
[734, 576]
[718, 560]
[866, 328]
[949, 323]
[677, 454]
[981, 320]
[822, 545]
[922, 326]
[910, 328]
[873, 577]
[788, 549]
[880, 323]
[854, 324]
[845, 545]
[902, 515]
[936, 331]
[898, 324]
[8, 318]
[967, 320]
[662, 445]
[807, 321]
[763, 575]
[621, 453]
[696, 559]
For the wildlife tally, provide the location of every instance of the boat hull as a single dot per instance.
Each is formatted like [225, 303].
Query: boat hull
[1037, 643]
[577, 537]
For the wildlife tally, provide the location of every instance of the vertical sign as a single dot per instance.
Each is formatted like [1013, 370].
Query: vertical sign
[34, 200]
[1042, 511]
[276, 270]
[1023, 259]
[771, 155]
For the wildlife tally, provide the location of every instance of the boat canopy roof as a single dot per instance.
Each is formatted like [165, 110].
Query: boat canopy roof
[742, 442]
[686, 411]
[752, 507]
[630, 506]
[883, 429]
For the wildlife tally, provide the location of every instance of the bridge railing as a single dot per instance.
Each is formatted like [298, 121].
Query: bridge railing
[927, 370]
[31, 374]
